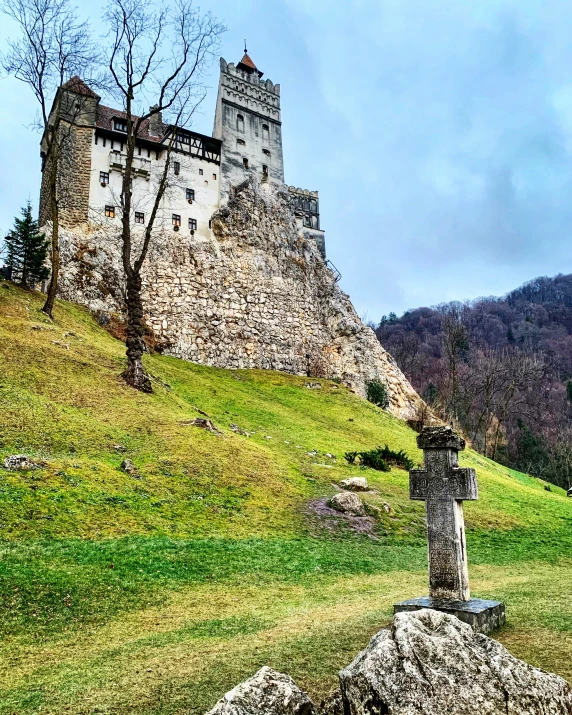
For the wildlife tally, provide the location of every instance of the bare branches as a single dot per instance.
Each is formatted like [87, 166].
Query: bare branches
[52, 47]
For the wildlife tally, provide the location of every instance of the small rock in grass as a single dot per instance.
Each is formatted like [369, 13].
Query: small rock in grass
[21, 463]
[128, 466]
[569, 492]
[61, 345]
[386, 508]
[238, 430]
[119, 448]
[266, 693]
[355, 484]
[313, 386]
[348, 503]
[205, 424]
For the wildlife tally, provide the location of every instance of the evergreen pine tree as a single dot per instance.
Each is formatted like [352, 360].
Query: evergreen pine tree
[27, 250]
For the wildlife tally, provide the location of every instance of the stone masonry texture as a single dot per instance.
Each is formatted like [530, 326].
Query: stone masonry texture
[254, 295]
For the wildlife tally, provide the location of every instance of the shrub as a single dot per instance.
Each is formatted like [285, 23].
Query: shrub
[377, 393]
[380, 458]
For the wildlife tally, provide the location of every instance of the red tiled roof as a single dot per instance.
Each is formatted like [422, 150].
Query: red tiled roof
[247, 65]
[248, 62]
[77, 85]
[105, 116]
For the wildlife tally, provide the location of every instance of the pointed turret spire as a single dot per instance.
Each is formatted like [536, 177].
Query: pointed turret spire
[247, 65]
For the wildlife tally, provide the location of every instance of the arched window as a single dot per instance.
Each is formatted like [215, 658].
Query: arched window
[265, 132]
[240, 123]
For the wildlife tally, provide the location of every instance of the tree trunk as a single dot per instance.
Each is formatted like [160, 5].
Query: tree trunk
[55, 258]
[135, 375]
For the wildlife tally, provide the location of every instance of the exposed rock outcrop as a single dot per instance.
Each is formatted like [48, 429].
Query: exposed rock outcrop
[266, 693]
[254, 295]
[430, 663]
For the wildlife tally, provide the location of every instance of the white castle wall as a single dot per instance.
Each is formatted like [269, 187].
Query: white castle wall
[205, 185]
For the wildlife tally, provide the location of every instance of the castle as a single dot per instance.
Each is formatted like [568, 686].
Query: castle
[236, 274]
[247, 139]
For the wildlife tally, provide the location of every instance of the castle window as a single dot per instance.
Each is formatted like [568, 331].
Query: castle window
[110, 211]
[200, 172]
[313, 206]
[307, 221]
[104, 178]
[264, 170]
[206, 183]
[245, 162]
[193, 224]
[265, 132]
[266, 151]
[314, 221]
[176, 220]
[210, 223]
[241, 142]
[177, 167]
[240, 123]
[139, 217]
[214, 177]
[190, 194]
[183, 138]
[120, 125]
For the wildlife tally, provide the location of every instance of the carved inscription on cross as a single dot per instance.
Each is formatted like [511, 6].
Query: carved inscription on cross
[443, 485]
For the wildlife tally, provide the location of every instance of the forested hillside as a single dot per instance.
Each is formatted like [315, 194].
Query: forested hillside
[500, 368]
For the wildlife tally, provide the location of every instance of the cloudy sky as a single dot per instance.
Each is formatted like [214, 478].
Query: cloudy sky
[438, 132]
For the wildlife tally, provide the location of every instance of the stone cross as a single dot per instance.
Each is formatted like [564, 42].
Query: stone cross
[443, 485]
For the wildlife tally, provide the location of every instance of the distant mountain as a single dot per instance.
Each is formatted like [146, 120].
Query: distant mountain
[499, 367]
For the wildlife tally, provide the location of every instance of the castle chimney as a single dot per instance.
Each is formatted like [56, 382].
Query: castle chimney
[156, 123]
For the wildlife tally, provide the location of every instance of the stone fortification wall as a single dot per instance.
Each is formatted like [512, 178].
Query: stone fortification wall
[255, 295]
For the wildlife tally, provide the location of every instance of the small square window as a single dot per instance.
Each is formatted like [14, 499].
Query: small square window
[176, 220]
[200, 172]
[206, 182]
[120, 125]
[139, 217]
[110, 211]
[104, 178]
[193, 224]
[214, 177]
[177, 167]
[245, 162]
[266, 151]
[190, 194]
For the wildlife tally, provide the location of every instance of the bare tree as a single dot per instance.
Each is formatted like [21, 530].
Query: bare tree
[53, 46]
[455, 341]
[156, 56]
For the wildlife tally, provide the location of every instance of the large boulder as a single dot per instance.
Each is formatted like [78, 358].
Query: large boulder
[430, 663]
[348, 503]
[266, 693]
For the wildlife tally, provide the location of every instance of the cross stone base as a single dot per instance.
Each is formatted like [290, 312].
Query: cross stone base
[483, 616]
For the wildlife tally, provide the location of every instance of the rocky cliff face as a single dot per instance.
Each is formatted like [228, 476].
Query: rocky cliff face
[256, 295]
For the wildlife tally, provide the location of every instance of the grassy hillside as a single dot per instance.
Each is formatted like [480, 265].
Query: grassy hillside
[155, 592]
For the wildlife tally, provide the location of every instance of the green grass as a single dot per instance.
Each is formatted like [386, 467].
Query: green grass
[156, 592]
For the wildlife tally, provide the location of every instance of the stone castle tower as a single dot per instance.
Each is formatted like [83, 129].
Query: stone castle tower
[247, 120]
